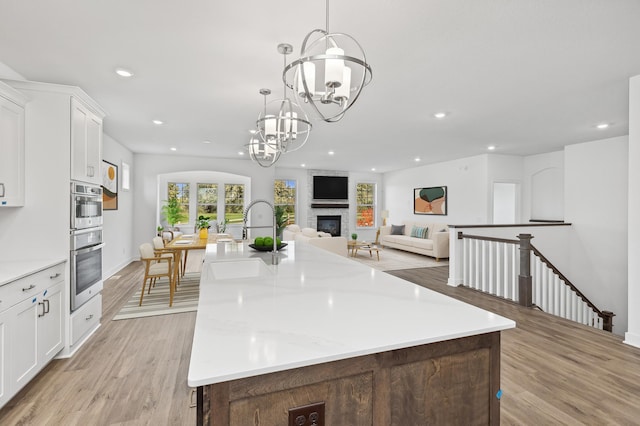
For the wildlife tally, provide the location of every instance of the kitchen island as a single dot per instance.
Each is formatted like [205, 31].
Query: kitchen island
[369, 347]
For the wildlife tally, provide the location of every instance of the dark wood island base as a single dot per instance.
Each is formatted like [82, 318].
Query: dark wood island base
[454, 382]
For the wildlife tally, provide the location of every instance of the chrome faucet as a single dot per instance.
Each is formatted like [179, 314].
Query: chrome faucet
[274, 253]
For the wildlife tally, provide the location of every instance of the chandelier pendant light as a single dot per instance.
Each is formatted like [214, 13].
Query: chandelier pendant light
[292, 124]
[330, 74]
[264, 146]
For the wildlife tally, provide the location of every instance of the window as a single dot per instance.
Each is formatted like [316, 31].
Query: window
[284, 195]
[208, 200]
[233, 203]
[365, 203]
[180, 191]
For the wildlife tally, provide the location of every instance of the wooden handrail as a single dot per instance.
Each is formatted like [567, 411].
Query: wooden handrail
[480, 237]
[607, 316]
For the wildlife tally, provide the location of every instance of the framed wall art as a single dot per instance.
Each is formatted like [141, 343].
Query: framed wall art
[109, 186]
[432, 200]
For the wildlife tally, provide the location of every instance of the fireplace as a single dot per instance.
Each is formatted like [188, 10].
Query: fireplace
[330, 224]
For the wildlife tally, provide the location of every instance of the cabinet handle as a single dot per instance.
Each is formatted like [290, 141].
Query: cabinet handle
[53, 277]
[31, 287]
[43, 309]
[89, 317]
[47, 306]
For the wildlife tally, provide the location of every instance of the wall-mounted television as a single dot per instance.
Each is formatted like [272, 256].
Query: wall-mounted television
[330, 188]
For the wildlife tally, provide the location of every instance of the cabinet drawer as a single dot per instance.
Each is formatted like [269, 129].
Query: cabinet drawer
[86, 318]
[30, 286]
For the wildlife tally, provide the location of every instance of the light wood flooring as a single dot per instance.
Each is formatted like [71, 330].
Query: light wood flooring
[554, 371]
[133, 372]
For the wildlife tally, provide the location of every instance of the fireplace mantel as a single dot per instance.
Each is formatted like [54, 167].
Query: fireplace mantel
[329, 206]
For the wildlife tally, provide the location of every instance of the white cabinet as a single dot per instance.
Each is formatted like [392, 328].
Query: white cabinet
[32, 328]
[86, 143]
[12, 113]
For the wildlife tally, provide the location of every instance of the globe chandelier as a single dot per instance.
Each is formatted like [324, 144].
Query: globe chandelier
[330, 74]
[264, 147]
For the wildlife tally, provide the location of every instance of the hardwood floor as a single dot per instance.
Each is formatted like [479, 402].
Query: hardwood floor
[133, 372]
[554, 371]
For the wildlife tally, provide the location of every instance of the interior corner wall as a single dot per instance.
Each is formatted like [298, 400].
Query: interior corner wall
[467, 189]
[632, 336]
[596, 187]
[118, 224]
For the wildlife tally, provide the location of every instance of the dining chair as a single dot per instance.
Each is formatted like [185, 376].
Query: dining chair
[160, 250]
[155, 267]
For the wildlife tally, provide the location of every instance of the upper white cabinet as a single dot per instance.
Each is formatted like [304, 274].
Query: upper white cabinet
[12, 113]
[86, 143]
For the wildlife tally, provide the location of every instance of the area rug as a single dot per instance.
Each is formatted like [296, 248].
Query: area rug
[392, 259]
[185, 299]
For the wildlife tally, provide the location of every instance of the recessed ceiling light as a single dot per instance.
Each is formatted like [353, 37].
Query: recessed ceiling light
[124, 72]
[303, 165]
[491, 147]
[252, 131]
[602, 126]
[173, 148]
[373, 169]
[158, 122]
[417, 159]
[331, 152]
[440, 114]
[206, 142]
[240, 152]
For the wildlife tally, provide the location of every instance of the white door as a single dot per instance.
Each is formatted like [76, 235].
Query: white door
[505, 202]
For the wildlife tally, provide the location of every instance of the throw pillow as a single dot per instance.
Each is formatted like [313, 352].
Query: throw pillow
[419, 232]
[397, 229]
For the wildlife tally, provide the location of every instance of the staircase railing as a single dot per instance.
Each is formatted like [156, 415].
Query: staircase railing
[516, 270]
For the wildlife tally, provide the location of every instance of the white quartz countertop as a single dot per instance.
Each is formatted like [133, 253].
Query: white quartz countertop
[11, 271]
[315, 307]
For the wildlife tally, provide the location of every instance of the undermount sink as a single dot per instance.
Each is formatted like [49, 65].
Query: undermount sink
[245, 268]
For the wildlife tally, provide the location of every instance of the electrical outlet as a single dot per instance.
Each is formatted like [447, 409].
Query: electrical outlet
[307, 415]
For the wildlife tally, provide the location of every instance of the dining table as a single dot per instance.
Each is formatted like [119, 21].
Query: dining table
[182, 244]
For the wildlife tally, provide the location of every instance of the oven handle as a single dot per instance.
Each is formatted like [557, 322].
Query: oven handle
[88, 249]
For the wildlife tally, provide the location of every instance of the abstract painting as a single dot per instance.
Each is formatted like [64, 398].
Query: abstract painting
[109, 186]
[432, 200]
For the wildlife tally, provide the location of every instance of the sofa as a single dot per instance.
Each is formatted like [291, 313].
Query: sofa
[320, 239]
[430, 239]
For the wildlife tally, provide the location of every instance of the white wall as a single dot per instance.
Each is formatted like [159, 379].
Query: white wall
[118, 224]
[543, 187]
[467, 189]
[596, 187]
[145, 171]
[633, 296]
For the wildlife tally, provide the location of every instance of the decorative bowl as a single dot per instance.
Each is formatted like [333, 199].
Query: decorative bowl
[266, 248]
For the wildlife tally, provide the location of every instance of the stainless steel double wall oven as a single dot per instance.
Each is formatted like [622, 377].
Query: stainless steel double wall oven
[86, 242]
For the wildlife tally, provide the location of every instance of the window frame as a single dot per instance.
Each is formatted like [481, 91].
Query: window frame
[295, 198]
[372, 205]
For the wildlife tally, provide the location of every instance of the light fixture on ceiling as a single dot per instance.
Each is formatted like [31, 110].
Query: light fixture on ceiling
[158, 122]
[264, 146]
[491, 147]
[331, 152]
[440, 115]
[124, 72]
[603, 126]
[330, 74]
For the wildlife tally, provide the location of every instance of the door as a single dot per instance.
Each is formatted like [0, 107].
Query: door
[50, 323]
[506, 199]
[24, 347]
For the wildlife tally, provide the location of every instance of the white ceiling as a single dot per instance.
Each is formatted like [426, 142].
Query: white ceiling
[528, 76]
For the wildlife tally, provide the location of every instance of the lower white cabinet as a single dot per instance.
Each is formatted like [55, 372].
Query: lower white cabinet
[85, 320]
[31, 327]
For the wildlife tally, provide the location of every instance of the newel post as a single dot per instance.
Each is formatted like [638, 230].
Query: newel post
[607, 321]
[525, 287]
